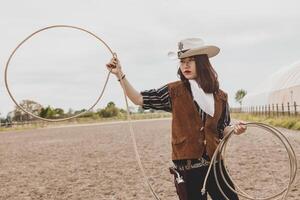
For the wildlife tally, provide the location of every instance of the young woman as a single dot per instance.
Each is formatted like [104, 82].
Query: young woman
[200, 117]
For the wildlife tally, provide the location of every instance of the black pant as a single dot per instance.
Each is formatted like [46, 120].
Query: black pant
[194, 180]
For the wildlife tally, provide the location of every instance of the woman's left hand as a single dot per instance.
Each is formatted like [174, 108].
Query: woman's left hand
[239, 128]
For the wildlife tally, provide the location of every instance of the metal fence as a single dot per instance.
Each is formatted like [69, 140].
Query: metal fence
[274, 110]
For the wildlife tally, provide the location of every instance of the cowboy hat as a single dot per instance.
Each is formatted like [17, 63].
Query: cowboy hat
[194, 46]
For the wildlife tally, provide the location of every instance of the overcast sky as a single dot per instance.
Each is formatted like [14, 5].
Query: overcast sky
[65, 68]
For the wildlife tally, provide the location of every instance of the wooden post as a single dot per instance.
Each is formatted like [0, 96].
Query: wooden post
[295, 107]
[282, 109]
[277, 109]
[288, 107]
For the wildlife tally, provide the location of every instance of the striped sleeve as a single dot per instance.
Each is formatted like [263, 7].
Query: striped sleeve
[224, 121]
[158, 99]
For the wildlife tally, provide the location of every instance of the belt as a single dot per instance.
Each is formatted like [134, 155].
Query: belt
[201, 162]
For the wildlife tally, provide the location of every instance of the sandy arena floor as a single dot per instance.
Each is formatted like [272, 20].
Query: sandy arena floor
[98, 162]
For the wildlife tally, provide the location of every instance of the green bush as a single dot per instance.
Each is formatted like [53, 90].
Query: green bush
[109, 111]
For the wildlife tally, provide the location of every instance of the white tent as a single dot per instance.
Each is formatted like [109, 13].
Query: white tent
[282, 87]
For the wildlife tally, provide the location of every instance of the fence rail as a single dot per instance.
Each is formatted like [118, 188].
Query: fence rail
[274, 110]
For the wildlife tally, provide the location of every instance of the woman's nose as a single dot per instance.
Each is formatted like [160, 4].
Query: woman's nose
[187, 64]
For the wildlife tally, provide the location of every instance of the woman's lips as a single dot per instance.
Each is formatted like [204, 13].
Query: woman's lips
[187, 71]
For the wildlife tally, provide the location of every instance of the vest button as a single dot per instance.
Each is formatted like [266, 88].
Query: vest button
[204, 142]
[202, 128]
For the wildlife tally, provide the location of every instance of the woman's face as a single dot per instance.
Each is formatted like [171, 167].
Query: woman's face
[188, 68]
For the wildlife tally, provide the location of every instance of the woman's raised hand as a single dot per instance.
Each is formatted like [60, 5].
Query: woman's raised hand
[114, 66]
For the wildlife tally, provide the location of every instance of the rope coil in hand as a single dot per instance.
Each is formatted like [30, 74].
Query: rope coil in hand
[220, 153]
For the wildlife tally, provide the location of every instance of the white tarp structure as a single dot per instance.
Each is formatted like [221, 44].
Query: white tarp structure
[281, 87]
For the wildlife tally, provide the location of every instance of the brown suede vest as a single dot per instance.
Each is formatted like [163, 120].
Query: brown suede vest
[189, 137]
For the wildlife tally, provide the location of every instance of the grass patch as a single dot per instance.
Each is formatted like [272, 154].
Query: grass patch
[292, 122]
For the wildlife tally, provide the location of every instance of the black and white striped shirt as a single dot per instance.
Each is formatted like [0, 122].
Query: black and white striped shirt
[159, 99]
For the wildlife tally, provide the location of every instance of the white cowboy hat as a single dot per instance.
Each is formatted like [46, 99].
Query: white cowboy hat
[194, 46]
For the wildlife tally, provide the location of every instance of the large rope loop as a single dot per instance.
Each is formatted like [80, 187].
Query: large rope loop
[32, 35]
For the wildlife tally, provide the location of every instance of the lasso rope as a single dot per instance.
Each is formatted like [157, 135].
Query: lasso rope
[26, 39]
[145, 178]
[218, 155]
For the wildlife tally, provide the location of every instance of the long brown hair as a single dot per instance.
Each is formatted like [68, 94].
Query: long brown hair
[207, 77]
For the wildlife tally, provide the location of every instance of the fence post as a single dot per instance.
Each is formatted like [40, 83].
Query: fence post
[277, 109]
[282, 109]
[289, 112]
[269, 110]
[295, 106]
[273, 109]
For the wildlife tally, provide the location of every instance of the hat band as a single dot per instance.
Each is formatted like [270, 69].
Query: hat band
[179, 53]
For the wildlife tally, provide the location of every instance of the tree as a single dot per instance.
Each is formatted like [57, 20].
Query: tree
[59, 111]
[79, 111]
[239, 95]
[109, 111]
[111, 104]
[30, 106]
[47, 112]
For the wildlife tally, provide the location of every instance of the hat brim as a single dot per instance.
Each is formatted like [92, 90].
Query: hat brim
[210, 51]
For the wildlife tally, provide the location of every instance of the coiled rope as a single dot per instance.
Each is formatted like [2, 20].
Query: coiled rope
[218, 155]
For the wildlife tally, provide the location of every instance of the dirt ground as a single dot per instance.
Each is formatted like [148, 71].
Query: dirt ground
[98, 162]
